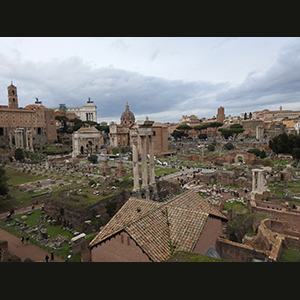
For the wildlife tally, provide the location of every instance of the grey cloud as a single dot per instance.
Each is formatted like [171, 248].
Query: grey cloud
[154, 55]
[276, 86]
[71, 81]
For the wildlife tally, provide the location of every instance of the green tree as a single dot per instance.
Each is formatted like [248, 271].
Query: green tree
[176, 134]
[201, 127]
[211, 147]
[63, 120]
[111, 208]
[263, 154]
[226, 133]
[229, 146]
[296, 153]
[93, 159]
[77, 124]
[281, 144]
[104, 128]
[254, 151]
[3, 182]
[202, 136]
[237, 128]
[19, 154]
[184, 127]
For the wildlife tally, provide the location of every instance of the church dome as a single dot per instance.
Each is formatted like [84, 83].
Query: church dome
[127, 117]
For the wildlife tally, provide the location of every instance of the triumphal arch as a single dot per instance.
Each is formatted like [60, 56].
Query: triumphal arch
[87, 140]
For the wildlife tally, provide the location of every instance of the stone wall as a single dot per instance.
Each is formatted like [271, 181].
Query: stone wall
[78, 216]
[278, 210]
[237, 252]
[4, 254]
[235, 157]
[224, 177]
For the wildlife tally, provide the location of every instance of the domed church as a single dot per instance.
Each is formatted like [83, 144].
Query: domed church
[127, 117]
[120, 133]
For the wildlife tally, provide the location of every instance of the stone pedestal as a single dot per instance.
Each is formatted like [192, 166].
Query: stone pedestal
[105, 168]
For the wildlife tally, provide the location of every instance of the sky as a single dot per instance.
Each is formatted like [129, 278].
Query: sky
[160, 77]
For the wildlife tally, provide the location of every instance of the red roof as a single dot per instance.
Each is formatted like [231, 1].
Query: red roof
[159, 226]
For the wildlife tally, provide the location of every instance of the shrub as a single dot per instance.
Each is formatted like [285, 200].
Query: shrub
[229, 146]
[211, 148]
[93, 159]
[19, 154]
[111, 208]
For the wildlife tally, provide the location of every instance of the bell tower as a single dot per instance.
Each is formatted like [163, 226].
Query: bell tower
[12, 96]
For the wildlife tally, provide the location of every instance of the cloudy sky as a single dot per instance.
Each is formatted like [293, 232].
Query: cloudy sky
[160, 77]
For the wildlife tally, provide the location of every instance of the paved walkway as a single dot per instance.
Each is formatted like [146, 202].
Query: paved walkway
[20, 211]
[25, 250]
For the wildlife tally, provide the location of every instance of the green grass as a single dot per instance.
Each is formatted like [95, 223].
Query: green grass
[183, 256]
[238, 207]
[290, 254]
[15, 178]
[53, 231]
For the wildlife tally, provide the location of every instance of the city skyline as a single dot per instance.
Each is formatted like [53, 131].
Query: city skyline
[162, 78]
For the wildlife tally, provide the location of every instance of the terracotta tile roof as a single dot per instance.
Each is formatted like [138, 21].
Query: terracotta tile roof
[186, 226]
[132, 210]
[160, 227]
[191, 199]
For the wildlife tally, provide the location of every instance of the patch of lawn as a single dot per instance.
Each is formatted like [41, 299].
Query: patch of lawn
[15, 178]
[290, 254]
[183, 256]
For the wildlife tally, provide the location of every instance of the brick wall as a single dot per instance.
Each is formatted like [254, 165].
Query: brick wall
[282, 212]
[210, 233]
[120, 248]
[237, 252]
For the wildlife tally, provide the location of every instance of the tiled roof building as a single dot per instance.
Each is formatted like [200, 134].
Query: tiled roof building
[144, 230]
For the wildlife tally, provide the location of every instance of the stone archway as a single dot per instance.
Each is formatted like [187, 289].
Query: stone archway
[239, 158]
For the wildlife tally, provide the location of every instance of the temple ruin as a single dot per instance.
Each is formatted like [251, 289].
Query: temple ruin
[143, 131]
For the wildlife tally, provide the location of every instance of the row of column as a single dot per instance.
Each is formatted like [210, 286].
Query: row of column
[89, 117]
[21, 136]
[144, 162]
[257, 180]
[143, 131]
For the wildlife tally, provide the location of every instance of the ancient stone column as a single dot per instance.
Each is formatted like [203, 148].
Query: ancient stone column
[260, 185]
[144, 162]
[152, 166]
[254, 180]
[105, 157]
[135, 160]
[257, 183]
[19, 137]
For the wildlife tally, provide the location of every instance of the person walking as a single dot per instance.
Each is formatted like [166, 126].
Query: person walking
[27, 239]
[52, 255]
[46, 258]
[22, 240]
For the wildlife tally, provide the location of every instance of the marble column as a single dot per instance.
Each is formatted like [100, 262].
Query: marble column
[135, 160]
[144, 162]
[152, 166]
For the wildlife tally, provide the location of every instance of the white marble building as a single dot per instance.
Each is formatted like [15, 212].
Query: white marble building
[88, 112]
